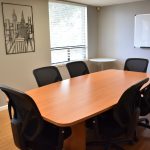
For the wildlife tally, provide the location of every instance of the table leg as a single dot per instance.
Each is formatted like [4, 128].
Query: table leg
[77, 141]
[102, 66]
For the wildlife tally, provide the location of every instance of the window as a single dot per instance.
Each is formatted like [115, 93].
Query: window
[68, 32]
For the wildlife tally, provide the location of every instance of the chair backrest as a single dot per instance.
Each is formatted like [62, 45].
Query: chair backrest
[26, 120]
[145, 101]
[47, 75]
[77, 68]
[136, 64]
[125, 110]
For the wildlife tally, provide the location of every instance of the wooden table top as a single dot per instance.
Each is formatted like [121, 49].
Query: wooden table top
[74, 100]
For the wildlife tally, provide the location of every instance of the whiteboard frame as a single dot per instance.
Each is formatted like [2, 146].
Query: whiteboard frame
[142, 31]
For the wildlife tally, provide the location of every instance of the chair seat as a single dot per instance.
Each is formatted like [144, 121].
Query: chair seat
[105, 124]
[48, 139]
[108, 127]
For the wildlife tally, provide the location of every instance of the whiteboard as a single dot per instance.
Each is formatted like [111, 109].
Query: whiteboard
[142, 31]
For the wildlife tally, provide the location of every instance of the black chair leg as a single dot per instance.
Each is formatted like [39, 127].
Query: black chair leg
[96, 127]
[135, 138]
[144, 125]
[144, 122]
[61, 138]
[117, 147]
[107, 147]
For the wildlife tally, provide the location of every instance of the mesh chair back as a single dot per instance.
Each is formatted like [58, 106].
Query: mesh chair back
[47, 75]
[125, 109]
[26, 120]
[136, 64]
[77, 68]
[145, 101]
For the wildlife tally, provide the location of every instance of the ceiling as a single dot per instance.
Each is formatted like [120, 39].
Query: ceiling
[103, 2]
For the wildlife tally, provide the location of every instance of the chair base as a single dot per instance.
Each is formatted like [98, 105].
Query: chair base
[144, 122]
[95, 139]
[108, 144]
[113, 145]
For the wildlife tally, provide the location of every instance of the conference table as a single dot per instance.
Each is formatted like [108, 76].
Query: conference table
[70, 102]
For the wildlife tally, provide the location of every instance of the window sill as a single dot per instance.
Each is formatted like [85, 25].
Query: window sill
[64, 63]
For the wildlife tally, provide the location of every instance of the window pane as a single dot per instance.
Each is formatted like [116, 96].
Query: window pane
[77, 54]
[68, 27]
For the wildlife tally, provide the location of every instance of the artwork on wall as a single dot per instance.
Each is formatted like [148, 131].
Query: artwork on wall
[18, 28]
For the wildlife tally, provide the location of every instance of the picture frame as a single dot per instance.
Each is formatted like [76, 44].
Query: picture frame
[18, 28]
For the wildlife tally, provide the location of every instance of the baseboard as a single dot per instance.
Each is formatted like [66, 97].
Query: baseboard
[3, 107]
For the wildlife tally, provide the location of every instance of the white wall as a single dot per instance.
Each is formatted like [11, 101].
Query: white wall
[116, 32]
[92, 14]
[16, 69]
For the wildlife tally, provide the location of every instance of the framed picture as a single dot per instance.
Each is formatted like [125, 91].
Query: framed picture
[18, 28]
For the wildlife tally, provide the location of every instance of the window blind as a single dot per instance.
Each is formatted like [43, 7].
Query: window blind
[68, 32]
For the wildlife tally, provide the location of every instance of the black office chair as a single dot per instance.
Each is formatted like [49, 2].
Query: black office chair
[77, 68]
[118, 125]
[136, 64]
[145, 107]
[30, 131]
[47, 75]
[140, 65]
